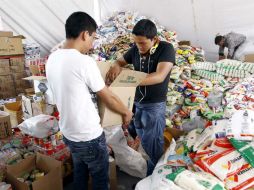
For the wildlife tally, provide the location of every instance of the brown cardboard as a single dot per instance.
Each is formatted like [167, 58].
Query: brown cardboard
[5, 78]
[51, 181]
[6, 34]
[4, 62]
[5, 70]
[8, 94]
[17, 61]
[17, 69]
[11, 46]
[249, 58]
[4, 67]
[19, 75]
[15, 111]
[124, 86]
[7, 88]
[5, 125]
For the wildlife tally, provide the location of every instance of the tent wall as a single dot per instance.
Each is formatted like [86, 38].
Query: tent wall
[41, 21]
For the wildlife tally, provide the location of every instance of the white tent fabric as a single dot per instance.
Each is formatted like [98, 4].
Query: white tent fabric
[199, 21]
[41, 21]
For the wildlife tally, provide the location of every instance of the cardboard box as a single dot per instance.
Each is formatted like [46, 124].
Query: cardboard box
[10, 45]
[4, 67]
[19, 75]
[31, 108]
[8, 94]
[15, 111]
[124, 86]
[4, 62]
[20, 83]
[4, 70]
[51, 181]
[17, 69]
[7, 86]
[249, 58]
[17, 61]
[5, 78]
[6, 34]
[5, 125]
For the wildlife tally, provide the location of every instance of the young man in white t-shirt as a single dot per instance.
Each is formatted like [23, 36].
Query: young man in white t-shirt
[71, 76]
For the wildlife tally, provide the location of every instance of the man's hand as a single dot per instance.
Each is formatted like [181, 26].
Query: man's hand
[112, 74]
[127, 117]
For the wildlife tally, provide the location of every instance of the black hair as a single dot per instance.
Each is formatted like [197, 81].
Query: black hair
[218, 39]
[145, 28]
[79, 22]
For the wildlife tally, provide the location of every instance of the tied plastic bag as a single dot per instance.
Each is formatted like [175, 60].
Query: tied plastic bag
[129, 160]
[40, 126]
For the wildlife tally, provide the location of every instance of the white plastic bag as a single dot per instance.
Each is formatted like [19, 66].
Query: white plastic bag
[40, 126]
[129, 160]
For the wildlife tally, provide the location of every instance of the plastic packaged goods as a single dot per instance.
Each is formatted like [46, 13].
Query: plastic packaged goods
[241, 125]
[193, 181]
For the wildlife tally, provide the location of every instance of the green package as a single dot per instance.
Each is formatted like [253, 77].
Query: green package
[246, 149]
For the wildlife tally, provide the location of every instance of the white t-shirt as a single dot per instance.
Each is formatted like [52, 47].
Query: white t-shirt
[70, 75]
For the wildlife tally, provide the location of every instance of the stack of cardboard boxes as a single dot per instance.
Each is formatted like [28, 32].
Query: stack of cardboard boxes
[6, 82]
[11, 65]
[18, 73]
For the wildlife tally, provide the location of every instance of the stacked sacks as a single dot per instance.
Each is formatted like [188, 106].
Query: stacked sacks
[223, 69]
[210, 155]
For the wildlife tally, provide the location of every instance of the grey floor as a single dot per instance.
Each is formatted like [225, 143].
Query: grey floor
[124, 181]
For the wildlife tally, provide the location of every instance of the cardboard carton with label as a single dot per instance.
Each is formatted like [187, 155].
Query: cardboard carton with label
[124, 86]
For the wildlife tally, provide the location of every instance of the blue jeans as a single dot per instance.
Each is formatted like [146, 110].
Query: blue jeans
[150, 123]
[90, 156]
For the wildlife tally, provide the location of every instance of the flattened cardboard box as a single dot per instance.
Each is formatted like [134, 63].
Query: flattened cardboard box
[124, 86]
[51, 181]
